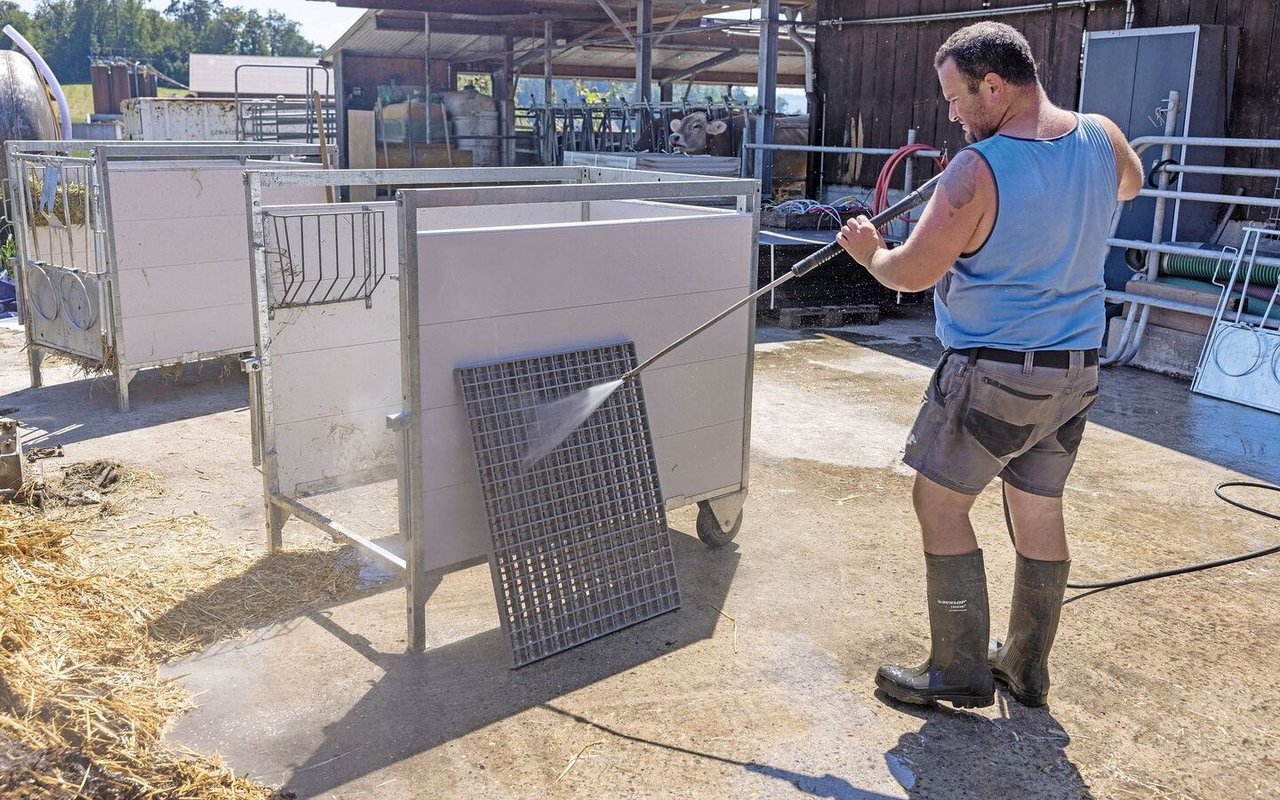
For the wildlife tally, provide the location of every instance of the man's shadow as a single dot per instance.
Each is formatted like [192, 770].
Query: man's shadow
[959, 755]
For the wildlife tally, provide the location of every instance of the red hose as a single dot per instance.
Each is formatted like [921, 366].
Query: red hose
[880, 197]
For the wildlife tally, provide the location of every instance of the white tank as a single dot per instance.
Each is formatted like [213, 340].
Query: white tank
[24, 107]
[474, 114]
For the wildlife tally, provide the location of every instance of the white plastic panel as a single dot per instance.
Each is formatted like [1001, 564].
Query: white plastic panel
[485, 340]
[506, 293]
[335, 376]
[182, 255]
[177, 335]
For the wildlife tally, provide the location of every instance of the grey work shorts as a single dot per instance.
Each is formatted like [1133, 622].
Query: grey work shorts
[982, 419]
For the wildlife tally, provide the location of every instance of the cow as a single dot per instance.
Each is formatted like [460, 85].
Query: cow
[697, 134]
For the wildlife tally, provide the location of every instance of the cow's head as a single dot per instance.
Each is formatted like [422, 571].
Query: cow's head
[691, 134]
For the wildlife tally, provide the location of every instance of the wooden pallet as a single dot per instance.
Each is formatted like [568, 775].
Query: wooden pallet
[828, 316]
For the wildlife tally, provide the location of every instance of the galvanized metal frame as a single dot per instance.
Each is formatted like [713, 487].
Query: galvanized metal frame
[1211, 377]
[500, 185]
[1140, 306]
[99, 154]
[20, 201]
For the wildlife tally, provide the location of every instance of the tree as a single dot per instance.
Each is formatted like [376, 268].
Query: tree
[194, 14]
[12, 14]
[284, 38]
[69, 32]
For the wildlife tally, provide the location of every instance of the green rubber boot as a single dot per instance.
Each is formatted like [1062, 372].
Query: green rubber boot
[959, 624]
[1021, 662]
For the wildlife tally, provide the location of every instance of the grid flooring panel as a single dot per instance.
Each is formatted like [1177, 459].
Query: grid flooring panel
[579, 541]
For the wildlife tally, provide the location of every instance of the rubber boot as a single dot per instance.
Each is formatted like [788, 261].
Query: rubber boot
[1021, 662]
[959, 624]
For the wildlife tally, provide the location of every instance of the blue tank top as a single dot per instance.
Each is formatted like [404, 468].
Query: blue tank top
[1037, 282]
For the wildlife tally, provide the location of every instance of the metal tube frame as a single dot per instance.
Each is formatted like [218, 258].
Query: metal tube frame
[513, 185]
[866, 151]
[107, 268]
[97, 224]
[1135, 322]
[241, 132]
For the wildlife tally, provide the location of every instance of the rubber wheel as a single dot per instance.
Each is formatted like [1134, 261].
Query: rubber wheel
[709, 530]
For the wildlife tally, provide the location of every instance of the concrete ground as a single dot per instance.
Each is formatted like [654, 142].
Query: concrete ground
[761, 684]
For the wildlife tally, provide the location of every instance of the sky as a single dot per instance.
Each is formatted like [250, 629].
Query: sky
[320, 22]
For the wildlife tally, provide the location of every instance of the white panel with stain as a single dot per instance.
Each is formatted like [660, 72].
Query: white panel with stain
[145, 243]
[184, 287]
[319, 383]
[338, 359]
[169, 336]
[334, 447]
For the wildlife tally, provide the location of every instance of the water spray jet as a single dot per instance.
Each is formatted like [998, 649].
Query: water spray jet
[554, 421]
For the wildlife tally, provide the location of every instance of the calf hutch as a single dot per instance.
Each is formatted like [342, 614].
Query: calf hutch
[135, 255]
[402, 348]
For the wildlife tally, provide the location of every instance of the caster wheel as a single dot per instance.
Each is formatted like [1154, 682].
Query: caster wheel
[709, 529]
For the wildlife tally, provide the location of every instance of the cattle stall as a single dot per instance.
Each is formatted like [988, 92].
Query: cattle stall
[363, 312]
[134, 255]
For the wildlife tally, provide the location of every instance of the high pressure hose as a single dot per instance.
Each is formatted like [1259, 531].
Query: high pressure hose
[880, 195]
[1101, 586]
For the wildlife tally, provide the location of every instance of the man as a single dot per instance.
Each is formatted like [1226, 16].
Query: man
[1013, 242]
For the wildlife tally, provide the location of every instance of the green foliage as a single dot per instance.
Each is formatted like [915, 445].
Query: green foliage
[482, 81]
[12, 14]
[66, 32]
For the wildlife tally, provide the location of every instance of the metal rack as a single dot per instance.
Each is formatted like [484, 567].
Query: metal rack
[325, 257]
[1241, 357]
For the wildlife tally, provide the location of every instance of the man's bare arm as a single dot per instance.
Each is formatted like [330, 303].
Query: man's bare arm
[1128, 165]
[965, 197]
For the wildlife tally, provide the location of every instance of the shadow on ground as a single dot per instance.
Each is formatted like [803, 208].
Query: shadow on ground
[84, 409]
[957, 755]
[421, 701]
[276, 587]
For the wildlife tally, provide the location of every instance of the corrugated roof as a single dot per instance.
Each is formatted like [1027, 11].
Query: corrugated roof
[366, 37]
[729, 52]
[258, 75]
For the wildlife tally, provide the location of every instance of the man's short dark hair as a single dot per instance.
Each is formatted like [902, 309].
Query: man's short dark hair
[989, 47]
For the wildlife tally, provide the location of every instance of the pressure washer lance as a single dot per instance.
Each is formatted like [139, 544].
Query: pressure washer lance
[556, 420]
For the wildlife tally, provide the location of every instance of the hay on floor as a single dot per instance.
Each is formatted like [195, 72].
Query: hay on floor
[88, 609]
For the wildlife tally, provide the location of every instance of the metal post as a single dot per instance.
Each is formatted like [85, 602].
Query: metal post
[644, 51]
[908, 168]
[548, 130]
[766, 93]
[507, 105]
[265, 394]
[1162, 182]
[410, 423]
[426, 81]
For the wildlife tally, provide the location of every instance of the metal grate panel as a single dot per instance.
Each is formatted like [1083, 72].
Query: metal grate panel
[579, 542]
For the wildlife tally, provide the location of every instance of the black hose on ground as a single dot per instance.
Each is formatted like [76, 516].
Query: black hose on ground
[1100, 586]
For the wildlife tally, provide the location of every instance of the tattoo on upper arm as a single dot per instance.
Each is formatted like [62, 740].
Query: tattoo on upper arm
[960, 182]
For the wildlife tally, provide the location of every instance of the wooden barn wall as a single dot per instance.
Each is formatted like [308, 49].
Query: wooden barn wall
[878, 81]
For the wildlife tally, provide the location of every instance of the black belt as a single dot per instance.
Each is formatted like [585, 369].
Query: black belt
[1054, 359]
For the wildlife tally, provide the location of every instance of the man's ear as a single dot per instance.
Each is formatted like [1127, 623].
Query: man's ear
[992, 83]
